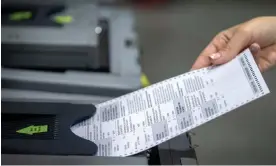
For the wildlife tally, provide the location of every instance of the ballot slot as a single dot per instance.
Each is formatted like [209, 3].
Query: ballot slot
[33, 127]
[26, 126]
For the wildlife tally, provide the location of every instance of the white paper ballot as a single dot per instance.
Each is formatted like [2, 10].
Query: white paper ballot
[147, 117]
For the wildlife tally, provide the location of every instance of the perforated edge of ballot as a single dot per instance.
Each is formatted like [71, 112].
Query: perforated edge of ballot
[147, 117]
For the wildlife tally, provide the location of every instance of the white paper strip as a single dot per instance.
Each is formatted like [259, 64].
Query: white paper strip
[145, 118]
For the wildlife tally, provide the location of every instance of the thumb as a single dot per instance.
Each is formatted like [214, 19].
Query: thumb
[240, 40]
[266, 58]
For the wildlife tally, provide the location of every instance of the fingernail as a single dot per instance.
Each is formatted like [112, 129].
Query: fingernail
[254, 48]
[215, 56]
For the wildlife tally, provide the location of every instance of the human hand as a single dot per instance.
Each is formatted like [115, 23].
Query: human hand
[258, 34]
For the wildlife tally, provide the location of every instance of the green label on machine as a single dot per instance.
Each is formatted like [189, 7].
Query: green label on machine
[30, 130]
[21, 15]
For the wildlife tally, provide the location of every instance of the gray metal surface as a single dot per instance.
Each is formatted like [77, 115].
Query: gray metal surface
[81, 83]
[80, 32]
[48, 2]
[86, 79]
[124, 59]
[49, 36]
[70, 160]
[73, 45]
[124, 73]
[124, 50]
[172, 150]
[188, 161]
[27, 95]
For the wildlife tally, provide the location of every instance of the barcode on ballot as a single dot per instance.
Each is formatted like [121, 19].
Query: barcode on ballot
[246, 69]
[254, 87]
[247, 72]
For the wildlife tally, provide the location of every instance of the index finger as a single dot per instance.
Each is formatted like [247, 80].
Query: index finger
[217, 43]
[203, 60]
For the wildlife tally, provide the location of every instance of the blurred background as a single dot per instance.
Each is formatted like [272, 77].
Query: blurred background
[86, 50]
